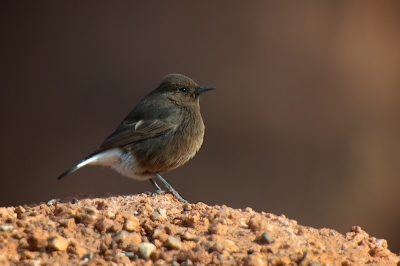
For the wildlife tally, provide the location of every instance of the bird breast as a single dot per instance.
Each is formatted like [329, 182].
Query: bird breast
[172, 149]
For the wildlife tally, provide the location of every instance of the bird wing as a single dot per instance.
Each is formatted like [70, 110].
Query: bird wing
[128, 133]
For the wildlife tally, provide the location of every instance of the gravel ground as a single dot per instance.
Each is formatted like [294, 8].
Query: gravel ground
[159, 230]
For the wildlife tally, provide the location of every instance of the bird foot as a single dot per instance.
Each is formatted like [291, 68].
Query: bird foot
[157, 192]
[162, 192]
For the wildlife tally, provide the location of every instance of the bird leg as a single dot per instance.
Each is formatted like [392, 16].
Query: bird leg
[168, 186]
[158, 188]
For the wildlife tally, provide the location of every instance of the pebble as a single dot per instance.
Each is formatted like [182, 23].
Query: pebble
[131, 255]
[77, 249]
[254, 260]
[23, 243]
[187, 262]
[173, 243]
[132, 224]
[190, 237]
[158, 215]
[104, 225]
[257, 224]
[175, 263]
[109, 214]
[125, 239]
[218, 229]
[58, 243]
[160, 262]
[227, 245]
[19, 209]
[68, 223]
[37, 241]
[121, 236]
[34, 262]
[84, 261]
[30, 254]
[160, 234]
[53, 201]
[243, 223]
[146, 249]
[18, 234]
[6, 228]
[266, 238]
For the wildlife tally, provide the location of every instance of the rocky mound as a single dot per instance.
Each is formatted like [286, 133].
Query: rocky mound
[147, 230]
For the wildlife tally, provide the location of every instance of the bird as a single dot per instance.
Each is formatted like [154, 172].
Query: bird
[162, 132]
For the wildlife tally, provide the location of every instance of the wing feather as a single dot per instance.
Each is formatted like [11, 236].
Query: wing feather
[133, 132]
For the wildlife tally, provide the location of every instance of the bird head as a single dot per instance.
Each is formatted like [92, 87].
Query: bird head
[181, 89]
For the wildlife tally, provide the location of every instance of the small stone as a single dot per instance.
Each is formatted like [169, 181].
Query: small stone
[89, 255]
[285, 260]
[29, 255]
[131, 255]
[315, 263]
[58, 243]
[19, 209]
[190, 237]
[6, 228]
[218, 229]
[160, 262]
[88, 231]
[22, 223]
[132, 224]
[53, 201]
[77, 249]
[266, 238]
[84, 261]
[257, 224]
[109, 214]
[18, 234]
[126, 239]
[104, 225]
[23, 244]
[158, 215]
[254, 260]
[68, 223]
[227, 245]
[160, 234]
[187, 262]
[121, 236]
[37, 240]
[173, 243]
[243, 223]
[175, 263]
[37, 262]
[146, 249]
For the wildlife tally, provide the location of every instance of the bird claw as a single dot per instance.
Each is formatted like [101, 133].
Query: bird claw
[162, 192]
[157, 192]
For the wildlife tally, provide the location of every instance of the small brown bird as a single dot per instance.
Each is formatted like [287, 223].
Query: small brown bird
[162, 132]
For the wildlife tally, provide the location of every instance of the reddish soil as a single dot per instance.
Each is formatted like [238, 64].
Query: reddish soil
[159, 230]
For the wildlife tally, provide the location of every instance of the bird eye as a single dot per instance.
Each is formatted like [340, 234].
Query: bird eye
[183, 89]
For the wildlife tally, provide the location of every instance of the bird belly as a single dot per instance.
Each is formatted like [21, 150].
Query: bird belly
[128, 167]
[120, 161]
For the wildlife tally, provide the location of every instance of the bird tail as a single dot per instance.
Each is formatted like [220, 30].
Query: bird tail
[105, 158]
[88, 160]
[69, 171]
[75, 167]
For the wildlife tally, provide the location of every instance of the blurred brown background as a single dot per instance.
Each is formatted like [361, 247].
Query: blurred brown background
[305, 121]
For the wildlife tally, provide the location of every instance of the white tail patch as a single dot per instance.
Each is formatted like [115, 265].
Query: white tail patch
[105, 158]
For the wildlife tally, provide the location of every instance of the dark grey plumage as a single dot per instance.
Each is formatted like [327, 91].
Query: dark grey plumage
[162, 132]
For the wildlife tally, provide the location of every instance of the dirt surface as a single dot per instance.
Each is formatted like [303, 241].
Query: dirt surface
[159, 230]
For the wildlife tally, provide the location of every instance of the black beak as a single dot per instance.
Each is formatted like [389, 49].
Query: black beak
[200, 90]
